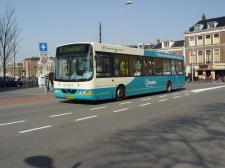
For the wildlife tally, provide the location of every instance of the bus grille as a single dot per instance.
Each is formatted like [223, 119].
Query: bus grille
[70, 91]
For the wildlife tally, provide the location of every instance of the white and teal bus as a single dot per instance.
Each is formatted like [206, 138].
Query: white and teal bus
[96, 71]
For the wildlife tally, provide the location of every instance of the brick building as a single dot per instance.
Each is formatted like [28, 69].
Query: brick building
[205, 48]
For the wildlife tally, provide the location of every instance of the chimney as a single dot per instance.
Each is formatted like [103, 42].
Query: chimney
[203, 17]
[158, 41]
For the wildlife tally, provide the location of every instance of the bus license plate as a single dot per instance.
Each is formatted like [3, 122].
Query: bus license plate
[69, 97]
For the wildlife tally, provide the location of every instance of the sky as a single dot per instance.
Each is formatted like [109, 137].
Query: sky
[57, 22]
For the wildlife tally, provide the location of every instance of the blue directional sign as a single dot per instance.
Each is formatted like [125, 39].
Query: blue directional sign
[43, 47]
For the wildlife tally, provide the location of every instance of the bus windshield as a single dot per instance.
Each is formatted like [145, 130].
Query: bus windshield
[74, 67]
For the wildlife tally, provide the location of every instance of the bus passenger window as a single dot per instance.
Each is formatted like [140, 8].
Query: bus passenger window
[166, 67]
[157, 66]
[102, 66]
[120, 65]
[179, 67]
[147, 67]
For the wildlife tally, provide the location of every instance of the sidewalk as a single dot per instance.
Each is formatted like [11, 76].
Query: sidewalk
[32, 95]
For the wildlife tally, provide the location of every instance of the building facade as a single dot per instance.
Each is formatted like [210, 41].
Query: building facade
[14, 70]
[30, 67]
[205, 48]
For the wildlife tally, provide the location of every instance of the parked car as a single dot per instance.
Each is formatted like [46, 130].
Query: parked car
[10, 82]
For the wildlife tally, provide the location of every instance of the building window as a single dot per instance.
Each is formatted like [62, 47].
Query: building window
[207, 39]
[211, 25]
[216, 55]
[200, 40]
[198, 27]
[192, 57]
[216, 38]
[166, 44]
[200, 57]
[192, 41]
[208, 56]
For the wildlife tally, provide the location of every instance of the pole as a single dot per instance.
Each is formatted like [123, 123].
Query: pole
[14, 62]
[100, 33]
[121, 31]
[191, 70]
[192, 55]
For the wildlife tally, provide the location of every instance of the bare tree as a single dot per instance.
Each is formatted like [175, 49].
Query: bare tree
[9, 37]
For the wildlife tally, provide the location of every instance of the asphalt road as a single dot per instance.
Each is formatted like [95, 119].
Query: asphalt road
[182, 129]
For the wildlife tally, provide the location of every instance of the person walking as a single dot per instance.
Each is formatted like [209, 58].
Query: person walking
[51, 79]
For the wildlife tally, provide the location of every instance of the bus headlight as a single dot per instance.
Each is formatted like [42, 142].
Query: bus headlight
[57, 91]
[85, 92]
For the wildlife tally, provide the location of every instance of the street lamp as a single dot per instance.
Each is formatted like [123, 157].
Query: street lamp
[121, 15]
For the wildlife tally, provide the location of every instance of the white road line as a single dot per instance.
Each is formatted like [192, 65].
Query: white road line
[176, 94]
[125, 103]
[163, 96]
[176, 97]
[146, 99]
[60, 114]
[162, 100]
[98, 108]
[204, 89]
[86, 118]
[145, 104]
[12, 123]
[120, 110]
[187, 94]
[35, 129]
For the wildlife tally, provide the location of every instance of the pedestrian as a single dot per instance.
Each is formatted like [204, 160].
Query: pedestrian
[51, 79]
[217, 77]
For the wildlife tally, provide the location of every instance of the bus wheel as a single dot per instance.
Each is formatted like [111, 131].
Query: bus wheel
[168, 87]
[120, 93]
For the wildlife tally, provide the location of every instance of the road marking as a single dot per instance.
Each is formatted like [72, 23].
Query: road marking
[120, 110]
[86, 118]
[204, 89]
[163, 96]
[35, 129]
[12, 123]
[176, 97]
[98, 108]
[162, 100]
[187, 94]
[145, 104]
[146, 99]
[60, 114]
[176, 94]
[125, 103]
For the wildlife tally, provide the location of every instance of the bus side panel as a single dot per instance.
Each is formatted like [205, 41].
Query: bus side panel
[151, 84]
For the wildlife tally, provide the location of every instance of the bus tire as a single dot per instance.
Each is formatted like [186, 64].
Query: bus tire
[120, 93]
[168, 87]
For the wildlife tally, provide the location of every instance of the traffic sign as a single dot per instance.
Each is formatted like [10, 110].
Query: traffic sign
[44, 58]
[43, 47]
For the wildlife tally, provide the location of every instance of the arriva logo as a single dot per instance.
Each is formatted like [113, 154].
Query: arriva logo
[148, 82]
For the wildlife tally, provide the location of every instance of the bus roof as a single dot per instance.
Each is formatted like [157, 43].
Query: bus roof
[128, 50]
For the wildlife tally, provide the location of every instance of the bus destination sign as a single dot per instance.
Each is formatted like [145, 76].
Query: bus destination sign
[73, 48]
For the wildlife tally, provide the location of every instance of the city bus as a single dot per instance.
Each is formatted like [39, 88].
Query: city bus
[96, 71]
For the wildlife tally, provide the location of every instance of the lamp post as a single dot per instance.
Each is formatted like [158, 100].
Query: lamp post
[121, 16]
[192, 55]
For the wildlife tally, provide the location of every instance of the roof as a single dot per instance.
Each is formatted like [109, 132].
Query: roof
[219, 20]
[32, 58]
[179, 43]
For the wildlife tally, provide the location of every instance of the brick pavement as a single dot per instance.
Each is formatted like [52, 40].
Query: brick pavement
[35, 98]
